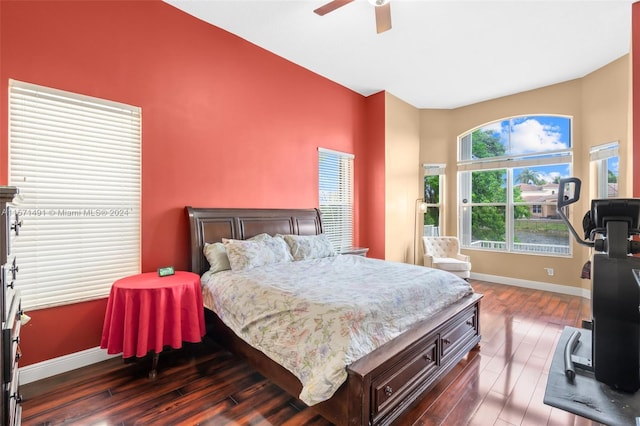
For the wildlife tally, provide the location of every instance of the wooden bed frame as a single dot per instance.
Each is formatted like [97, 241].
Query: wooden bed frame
[382, 385]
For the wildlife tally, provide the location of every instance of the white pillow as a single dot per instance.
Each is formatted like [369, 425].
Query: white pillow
[218, 259]
[281, 249]
[309, 246]
[248, 254]
[216, 256]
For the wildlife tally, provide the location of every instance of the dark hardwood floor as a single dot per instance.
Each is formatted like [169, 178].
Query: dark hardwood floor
[502, 383]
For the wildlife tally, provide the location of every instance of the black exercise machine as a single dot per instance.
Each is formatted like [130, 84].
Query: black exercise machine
[615, 289]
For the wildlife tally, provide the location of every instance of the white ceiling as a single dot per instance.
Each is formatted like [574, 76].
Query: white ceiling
[439, 54]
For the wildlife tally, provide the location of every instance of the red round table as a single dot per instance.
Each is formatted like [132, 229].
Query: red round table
[146, 312]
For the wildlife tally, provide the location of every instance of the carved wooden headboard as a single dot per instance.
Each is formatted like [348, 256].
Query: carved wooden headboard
[210, 225]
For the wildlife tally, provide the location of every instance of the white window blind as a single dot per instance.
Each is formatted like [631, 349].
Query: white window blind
[434, 169]
[76, 161]
[604, 151]
[335, 178]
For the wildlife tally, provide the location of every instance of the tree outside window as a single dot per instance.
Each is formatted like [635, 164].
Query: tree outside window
[433, 186]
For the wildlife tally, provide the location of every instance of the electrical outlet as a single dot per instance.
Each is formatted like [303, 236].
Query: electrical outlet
[549, 271]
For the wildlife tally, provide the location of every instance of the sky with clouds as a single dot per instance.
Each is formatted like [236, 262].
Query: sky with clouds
[522, 135]
[532, 134]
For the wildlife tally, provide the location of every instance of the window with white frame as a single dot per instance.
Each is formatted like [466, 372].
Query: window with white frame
[433, 190]
[76, 162]
[607, 163]
[508, 174]
[335, 183]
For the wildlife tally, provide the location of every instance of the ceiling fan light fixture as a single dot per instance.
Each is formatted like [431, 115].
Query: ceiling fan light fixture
[382, 10]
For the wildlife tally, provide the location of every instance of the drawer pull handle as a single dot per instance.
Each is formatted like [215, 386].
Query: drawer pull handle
[446, 341]
[470, 322]
[14, 269]
[427, 358]
[16, 225]
[388, 390]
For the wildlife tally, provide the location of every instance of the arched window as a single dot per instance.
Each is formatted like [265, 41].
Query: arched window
[508, 173]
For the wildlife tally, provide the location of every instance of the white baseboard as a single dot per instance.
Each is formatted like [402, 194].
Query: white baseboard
[51, 367]
[536, 285]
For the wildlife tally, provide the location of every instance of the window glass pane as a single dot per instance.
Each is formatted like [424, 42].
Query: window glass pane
[606, 160]
[520, 136]
[486, 142]
[537, 226]
[335, 182]
[488, 229]
[431, 222]
[535, 134]
[538, 184]
[612, 177]
[543, 235]
[432, 189]
[489, 186]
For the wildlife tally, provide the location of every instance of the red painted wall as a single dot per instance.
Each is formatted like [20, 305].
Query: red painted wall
[372, 185]
[225, 124]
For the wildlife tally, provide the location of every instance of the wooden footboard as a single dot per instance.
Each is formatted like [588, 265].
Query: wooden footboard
[384, 384]
[395, 376]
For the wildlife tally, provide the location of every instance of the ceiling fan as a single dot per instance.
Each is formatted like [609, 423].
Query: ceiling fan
[383, 12]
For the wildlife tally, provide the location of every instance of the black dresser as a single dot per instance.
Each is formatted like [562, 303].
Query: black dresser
[10, 310]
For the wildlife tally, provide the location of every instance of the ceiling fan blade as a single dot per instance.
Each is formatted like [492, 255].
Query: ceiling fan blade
[331, 6]
[383, 18]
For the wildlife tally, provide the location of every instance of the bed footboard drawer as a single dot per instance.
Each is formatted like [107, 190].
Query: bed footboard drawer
[392, 387]
[465, 329]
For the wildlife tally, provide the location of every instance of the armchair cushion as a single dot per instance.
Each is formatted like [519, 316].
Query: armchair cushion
[451, 264]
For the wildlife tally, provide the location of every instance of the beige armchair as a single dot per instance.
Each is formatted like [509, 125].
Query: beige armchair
[444, 253]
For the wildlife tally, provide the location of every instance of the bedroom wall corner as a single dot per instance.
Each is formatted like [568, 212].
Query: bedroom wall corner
[605, 118]
[370, 178]
[437, 146]
[402, 173]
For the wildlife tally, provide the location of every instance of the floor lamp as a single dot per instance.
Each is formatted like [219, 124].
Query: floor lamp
[420, 207]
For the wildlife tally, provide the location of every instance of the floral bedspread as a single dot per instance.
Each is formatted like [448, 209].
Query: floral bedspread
[315, 317]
